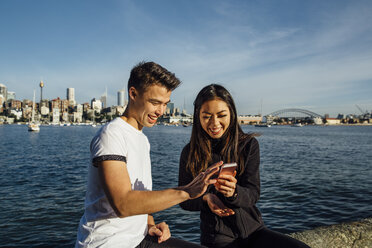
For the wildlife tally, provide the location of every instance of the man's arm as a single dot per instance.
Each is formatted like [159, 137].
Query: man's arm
[127, 202]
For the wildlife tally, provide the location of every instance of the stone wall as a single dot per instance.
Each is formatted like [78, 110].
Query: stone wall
[356, 234]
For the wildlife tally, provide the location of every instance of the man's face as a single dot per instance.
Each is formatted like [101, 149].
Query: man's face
[150, 105]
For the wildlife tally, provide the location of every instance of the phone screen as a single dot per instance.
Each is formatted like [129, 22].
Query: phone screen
[228, 169]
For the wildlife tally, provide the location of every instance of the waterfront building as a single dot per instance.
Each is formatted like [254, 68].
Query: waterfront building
[44, 110]
[79, 108]
[96, 105]
[118, 110]
[86, 106]
[3, 92]
[1, 104]
[71, 96]
[27, 103]
[14, 104]
[55, 116]
[65, 117]
[78, 117]
[11, 95]
[44, 107]
[64, 105]
[56, 104]
[333, 121]
[17, 113]
[27, 112]
[318, 121]
[249, 119]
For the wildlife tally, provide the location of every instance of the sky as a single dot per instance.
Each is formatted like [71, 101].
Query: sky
[270, 55]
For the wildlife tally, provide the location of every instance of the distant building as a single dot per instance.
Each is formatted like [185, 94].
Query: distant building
[78, 117]
[96, 105]
[17, 113]
[71, 96]
[64, 105]
[176, 111]
[11, 95]
[44, 110]
[121, 98]
[27, 112]
[79, 108]
[170, 106]
[333, 121]
[86, 107]
[318, 121]
[104, 101]
[3, 93]
[249, 119]
[14, 104]
[55, 116]
[56, 104]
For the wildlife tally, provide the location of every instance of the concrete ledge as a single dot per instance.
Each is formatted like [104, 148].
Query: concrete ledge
[356, 234]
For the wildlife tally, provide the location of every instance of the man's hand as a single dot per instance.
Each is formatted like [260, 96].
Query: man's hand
[199, 185]
[226, 184]
[217, 206]
[160, 230]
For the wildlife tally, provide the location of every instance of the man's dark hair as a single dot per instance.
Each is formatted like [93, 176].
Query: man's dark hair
[146, 74]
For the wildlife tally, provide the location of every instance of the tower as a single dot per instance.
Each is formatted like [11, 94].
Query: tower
[41, 85]
[41, 90]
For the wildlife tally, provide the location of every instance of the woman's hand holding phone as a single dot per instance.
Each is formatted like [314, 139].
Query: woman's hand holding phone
[217, 206]
[226, 181]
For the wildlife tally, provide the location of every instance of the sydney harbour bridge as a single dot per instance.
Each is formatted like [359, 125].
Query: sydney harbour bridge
[294, 113]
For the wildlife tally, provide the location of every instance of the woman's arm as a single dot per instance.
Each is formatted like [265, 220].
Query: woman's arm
[247, 190]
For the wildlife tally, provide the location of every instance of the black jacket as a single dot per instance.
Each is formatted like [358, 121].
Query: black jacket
[247, 218]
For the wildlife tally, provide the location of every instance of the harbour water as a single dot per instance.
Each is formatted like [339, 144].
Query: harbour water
[310, 176]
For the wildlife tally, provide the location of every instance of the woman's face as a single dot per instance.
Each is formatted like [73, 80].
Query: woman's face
[215, 118]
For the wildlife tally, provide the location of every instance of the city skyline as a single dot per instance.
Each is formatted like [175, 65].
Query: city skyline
[314, 55]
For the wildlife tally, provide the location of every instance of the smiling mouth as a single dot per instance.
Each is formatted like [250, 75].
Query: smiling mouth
[215, 131]
[152, 118]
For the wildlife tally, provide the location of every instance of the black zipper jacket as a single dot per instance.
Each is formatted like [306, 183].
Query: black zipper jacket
[247, 218]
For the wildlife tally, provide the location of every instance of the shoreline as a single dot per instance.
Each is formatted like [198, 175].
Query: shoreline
[355, 234]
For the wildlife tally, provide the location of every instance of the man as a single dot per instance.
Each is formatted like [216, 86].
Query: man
[119, 200]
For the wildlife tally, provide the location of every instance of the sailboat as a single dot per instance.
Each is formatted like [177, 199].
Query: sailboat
[32, 125]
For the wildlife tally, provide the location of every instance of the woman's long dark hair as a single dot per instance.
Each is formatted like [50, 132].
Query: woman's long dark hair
[200, 155]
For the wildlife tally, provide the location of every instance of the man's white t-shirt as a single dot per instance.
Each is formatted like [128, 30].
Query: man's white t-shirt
[100, 226]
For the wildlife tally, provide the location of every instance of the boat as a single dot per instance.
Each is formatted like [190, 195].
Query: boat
[186, 124]
[32, 125]
[262, 125]
[297, 125]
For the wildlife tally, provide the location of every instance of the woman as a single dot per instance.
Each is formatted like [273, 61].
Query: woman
[229, 216]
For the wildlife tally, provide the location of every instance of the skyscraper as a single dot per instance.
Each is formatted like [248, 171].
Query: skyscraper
[71, 96]
[121, 97]
[171, 107]
[104, 99]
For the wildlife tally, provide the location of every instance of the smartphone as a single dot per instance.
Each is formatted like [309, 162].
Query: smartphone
[228, 169]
